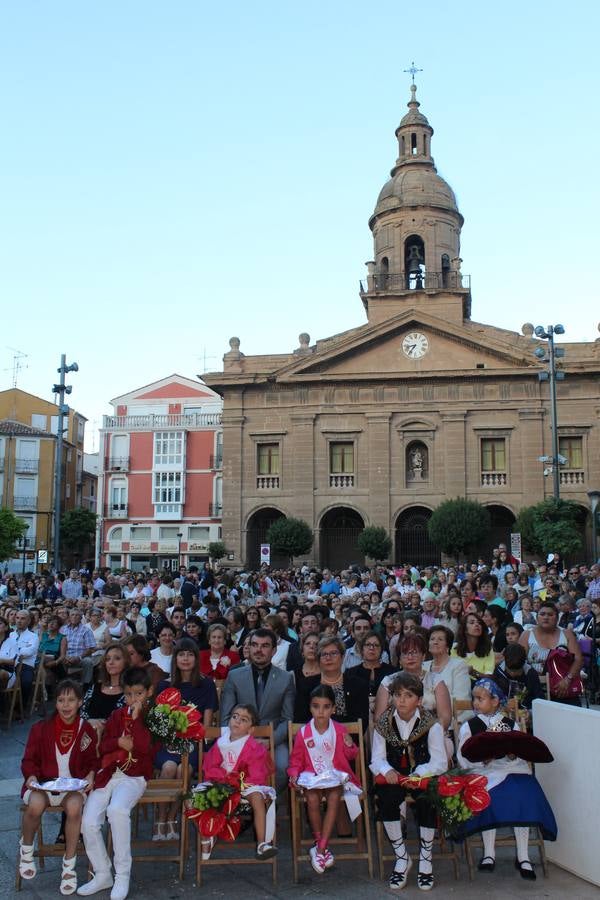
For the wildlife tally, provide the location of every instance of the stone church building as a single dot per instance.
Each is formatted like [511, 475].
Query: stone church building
[381, 423]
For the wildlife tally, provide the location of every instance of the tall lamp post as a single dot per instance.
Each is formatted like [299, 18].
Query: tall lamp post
[63, 410]
[594, 497]
[23, 540]
[552, 375]
[179, 536]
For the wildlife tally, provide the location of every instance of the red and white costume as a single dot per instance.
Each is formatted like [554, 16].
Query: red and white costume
[47, 758]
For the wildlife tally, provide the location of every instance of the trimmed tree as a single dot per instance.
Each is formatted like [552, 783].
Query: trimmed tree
[292, 537]
[552, 526]
[459, 525]
[375, 542]
[217, 550]
[11, 529]
[77, 531]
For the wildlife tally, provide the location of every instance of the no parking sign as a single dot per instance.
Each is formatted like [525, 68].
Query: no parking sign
[265, 554]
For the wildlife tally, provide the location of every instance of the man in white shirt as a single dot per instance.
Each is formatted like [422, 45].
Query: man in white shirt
[22, 647]
[71, 588]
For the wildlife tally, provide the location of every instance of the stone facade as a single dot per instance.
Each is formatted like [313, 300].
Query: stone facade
[381, 423]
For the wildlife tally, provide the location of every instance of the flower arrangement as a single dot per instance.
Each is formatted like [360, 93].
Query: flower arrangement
[456, 796]
[213, 807]
[175, 725]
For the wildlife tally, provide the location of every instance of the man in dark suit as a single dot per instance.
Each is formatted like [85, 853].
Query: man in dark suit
[269, 689]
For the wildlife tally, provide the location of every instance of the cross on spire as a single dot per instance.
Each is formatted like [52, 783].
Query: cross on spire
[412, 71]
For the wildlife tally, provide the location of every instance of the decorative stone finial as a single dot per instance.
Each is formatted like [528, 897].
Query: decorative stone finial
[527, 329]
[304, 340]
[234, 343]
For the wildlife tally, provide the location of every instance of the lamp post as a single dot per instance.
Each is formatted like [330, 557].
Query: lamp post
[594, 497]
[179, 536]
[63, 410]
[552, 376]
[24, 542]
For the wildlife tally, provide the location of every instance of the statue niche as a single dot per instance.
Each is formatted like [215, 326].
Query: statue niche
[417, 462]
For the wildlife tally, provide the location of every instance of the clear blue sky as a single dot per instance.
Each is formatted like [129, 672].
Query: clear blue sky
[176, 173]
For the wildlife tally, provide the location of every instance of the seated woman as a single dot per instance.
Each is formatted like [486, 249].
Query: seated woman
[116, 628]
[63, 746]
[371, 670]
[106, 694]
[474, 645]
[216, 662]
[452, 670]
[140, 657]
[275, 623]
[308, 675]
[351, 694]
[517, 798]
[201, 691]
[52, 652]
[546, 636]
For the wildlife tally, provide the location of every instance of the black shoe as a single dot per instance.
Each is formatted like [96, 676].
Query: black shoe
[425, 882]
[527, 874]
[488, 866]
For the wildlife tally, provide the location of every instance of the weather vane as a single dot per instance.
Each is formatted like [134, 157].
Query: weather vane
[412, 71]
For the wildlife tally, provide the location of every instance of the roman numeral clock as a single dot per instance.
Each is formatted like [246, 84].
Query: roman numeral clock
[415, 345]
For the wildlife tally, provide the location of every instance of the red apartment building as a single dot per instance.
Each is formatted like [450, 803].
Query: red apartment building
[160, 482]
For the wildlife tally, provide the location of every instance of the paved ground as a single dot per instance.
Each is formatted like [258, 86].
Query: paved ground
[349, 880]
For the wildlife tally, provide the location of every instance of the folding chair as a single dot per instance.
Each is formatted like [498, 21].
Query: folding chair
[43, 849]
[161, 790]
[38, 693]
[264, 732]
[359, 846]
[545, 685]
[11, 696]
[474, 842]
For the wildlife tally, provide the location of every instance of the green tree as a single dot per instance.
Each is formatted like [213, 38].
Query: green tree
[77, 530]
[11, 529]
[375, 542]
[291, 537]
[459, 525]
[217, 550]
[552, 526]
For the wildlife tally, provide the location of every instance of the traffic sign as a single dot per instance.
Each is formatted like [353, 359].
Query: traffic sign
[265, 554]
[42, 556]
[515, 546]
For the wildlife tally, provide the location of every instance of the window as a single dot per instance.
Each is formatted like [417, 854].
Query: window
[168, 448]
[572, 449]
[341, 458]
[140, 532]
[38, 421]
[168, 533]
[167, 487]
[118, 497]
[268, 459]
[493, 455]
[116, 534]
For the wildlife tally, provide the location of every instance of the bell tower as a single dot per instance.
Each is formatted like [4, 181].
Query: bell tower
[416, 230]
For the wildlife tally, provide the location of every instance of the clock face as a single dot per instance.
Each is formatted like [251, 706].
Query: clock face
[415, 345]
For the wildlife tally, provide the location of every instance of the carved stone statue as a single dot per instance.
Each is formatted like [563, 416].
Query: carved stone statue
[417, 461]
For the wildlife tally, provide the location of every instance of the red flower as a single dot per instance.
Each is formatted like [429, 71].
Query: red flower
[231, 804]
[193, 714]
[448, 786]
[475, 781]
[195, 732]
[211, 823]
[170, 696]
[231, 829]
[476, 799]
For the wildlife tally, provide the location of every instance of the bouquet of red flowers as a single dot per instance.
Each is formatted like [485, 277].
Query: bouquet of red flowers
[214, 805]
[175, 725]
[456, 795]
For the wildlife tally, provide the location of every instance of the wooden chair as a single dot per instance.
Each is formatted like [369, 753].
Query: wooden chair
[506, 840]
[38, 692]
[11, 696]
[442, 848]
[44, 850]
[264, 732]
[353, 848]
[545, 683]
[161, 790]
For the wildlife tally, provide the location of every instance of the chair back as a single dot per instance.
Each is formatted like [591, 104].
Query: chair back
[262, 733]
[354, 729]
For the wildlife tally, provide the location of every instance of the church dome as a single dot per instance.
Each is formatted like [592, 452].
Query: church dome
[415, 186]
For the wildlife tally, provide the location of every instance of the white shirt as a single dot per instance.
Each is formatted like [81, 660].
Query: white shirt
[163, 662]
[438, 762]
[22, 646]
[166, 592]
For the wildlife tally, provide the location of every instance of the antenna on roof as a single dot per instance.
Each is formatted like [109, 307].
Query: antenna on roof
[17, 365]
[204, 358]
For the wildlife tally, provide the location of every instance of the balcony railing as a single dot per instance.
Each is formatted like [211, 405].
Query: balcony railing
[31, 466]
[215, 510]
[572, 477]
[117, 512]
[216, 461]
[415, 281]
[267, 482]
[20, 502]
[341, 481]
[168, 511]
[493, 479]
[153, 422]
[118, 464]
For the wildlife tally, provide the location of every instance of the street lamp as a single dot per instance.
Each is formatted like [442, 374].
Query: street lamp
[179, 536]
[63, 410]
[23, 541]
[594, 497]
[552, 375]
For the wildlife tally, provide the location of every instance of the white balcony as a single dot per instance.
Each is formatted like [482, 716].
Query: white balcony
[571, 476]
[341, 481]
[493, 479]
[267, 482]
[156, 422]
[117, 512]
[27, 466]
[168, 511]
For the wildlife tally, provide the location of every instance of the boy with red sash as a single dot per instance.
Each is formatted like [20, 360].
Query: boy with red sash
[63, 746]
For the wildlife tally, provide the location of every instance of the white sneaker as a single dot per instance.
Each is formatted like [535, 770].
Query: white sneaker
[316, 860]
[100, 882]
[121, 887]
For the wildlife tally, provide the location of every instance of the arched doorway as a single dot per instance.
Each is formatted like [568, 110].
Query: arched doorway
[340, 528]
[256, 534]
[503, 521]
[412, 540]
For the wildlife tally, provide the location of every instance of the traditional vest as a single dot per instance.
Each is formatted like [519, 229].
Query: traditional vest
[405, 756]
[478, 726]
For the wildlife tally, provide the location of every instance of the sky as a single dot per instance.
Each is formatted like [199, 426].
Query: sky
[172, 174]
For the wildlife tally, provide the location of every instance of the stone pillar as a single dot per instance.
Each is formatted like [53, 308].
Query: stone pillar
[379, 468]
[302, 448]
[233, 447]
[453, 440]
[531, 433]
